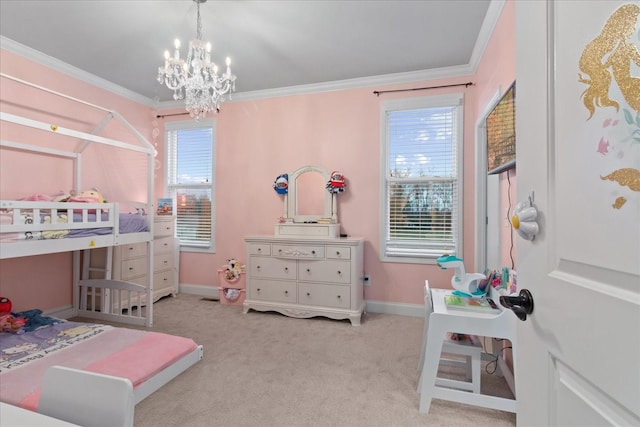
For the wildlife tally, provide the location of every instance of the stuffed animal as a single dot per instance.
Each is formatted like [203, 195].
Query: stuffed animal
[233, 268]
[88, 196]
[12, 324]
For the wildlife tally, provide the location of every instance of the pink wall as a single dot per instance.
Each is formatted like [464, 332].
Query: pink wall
[497, 71]
[257, 140]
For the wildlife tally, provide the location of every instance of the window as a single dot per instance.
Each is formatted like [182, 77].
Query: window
[421, 142]
[189, 166]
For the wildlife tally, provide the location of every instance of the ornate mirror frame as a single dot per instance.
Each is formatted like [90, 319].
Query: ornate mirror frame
[291, 200]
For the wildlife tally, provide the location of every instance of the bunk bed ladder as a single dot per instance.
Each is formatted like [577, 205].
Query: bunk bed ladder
[87, 269]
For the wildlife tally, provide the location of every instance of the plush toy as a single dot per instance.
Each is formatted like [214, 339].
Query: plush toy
[12, 324]
[233, 268]
[88, 196]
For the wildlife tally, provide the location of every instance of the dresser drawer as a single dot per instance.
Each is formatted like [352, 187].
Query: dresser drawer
[163, 280]
[298, 251]
[325, 271]
[259, 249]
[273, 268]
[338, 252]
[162, 262]
[131, 268]
[132, 250]
[271, 290]
[163, 227]
[163, 245]
[323, 295]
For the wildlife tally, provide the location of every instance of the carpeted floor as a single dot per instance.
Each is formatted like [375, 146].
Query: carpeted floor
[268, 370]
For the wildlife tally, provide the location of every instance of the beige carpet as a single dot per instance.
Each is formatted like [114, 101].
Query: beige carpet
[265, 369]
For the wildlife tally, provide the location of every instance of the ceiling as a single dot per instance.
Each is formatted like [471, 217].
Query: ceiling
[273, 44]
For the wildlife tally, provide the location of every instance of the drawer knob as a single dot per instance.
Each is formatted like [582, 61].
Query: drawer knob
[339, 273]
[338, 253]
[286, 292]
[259, 249]
[258, 267]
[258, 289]
[130, 268]
[308, 294]
[308, 270]
[313, 252]
[286, 269]
[339, 296]
[130, 248]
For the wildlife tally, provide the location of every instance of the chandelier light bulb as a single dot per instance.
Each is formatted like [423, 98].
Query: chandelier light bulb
[195, 79]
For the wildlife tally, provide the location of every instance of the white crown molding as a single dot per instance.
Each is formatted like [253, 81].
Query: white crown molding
[58, 65]
[488, 26]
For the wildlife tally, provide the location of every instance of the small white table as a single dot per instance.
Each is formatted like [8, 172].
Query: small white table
[14, 416]
[441, 321]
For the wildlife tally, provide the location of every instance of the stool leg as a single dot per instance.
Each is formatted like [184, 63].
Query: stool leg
[468, 368]
[475, 372]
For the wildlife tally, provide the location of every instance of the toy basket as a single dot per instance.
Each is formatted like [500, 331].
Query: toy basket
[231, 296]
[238, 283]
[227, 289]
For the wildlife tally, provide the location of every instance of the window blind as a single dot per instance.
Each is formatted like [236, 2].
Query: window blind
[190, 183]
[422, 181]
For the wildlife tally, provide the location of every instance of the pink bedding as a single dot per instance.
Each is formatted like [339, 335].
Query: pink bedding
[129, 353]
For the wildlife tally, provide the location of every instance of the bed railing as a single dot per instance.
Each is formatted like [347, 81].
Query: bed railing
[113, 300]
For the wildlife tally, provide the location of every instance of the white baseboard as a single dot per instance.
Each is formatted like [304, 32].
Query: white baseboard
[205, 291]
[402, 309]
[64, 312]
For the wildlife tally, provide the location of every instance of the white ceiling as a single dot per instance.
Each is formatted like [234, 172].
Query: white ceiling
[273, 44]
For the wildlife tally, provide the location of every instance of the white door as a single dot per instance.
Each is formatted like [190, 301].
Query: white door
[579, 351]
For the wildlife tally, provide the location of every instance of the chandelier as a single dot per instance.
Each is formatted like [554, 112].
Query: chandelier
[197, 76]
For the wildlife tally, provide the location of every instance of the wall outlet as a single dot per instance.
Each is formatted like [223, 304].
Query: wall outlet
[366, 280]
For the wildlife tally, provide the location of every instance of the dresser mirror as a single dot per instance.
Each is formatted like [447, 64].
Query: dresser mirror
[308, 199]
[309, 208]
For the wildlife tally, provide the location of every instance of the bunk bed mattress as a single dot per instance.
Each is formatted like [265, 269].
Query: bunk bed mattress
[129, 353]
[129, 223]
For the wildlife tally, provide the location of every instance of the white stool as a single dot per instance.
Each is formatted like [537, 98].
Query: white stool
[467, 354]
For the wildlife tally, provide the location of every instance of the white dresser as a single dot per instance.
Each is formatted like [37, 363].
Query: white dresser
[130, 260]
[305, 277]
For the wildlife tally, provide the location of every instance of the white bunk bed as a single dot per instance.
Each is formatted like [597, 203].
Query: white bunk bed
[101, 299]
[92, 298]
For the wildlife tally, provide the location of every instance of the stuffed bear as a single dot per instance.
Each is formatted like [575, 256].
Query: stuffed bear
[233, 268]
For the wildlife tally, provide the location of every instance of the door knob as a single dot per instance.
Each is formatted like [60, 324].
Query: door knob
[521, 305]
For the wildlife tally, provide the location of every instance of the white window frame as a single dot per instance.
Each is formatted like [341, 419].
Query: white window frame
[185, 125]
[412, 253]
